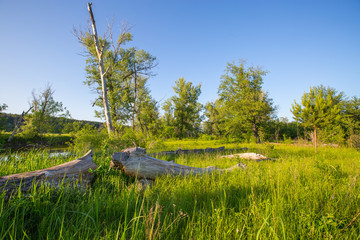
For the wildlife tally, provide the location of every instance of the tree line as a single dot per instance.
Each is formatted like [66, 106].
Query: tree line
[242, 111]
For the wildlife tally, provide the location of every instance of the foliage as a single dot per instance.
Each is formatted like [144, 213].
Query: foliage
[214, 123]
[41, 118]
[319, 109]
[278, 129]
[127, 73]
[3, 107]
[243, 105]
[21, 142]
[354, 141]
[183, 111]
[351, 119]
[87, 137]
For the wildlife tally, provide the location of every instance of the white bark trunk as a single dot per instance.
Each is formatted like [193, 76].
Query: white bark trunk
[76, 171]
[247, 156]
[102, 72]
[135, 162]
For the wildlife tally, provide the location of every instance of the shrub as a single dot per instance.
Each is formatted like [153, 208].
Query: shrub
[354, 141]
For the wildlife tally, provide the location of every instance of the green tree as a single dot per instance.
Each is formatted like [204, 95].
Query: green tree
[320, 108]
[352, 116]
[214, 123]
[145, 110]
[42, 118]
[3, 107]
[2, 120]
[245, 105]
[128, 70]
[183, 111]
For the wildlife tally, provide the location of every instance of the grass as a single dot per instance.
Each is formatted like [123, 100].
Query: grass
[299, 196]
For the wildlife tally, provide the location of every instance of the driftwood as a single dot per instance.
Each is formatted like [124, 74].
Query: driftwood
[76, 172]
[187, 151]
[135, 162]
[248, 156]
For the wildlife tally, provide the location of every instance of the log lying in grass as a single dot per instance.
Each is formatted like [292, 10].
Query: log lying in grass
[135, 162]
[248, 156]
[76, 172]
[187, 151]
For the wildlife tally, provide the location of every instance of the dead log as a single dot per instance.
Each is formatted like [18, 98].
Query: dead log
[135, 162]
[248, 156]
[187, 151]
[75, 172]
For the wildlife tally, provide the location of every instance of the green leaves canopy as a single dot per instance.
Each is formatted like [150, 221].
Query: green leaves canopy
[243, 103]
[182, 111]
[320, 107]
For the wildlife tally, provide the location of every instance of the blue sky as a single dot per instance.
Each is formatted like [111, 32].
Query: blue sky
[301, 44]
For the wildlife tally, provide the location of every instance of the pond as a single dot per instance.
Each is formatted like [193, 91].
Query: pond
[54, 153]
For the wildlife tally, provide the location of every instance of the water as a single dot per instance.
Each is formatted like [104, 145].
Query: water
[54, 154]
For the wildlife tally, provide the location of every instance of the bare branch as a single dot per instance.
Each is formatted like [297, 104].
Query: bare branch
[96, 100]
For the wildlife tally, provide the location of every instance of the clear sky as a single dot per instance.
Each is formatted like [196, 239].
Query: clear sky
[301, 43]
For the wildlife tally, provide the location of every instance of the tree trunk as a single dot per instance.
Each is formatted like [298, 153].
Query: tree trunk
[255, 131]
[74, 172]
[315, 139]
[247, 156]
[102, 72]
[135, 98]
[135, 162]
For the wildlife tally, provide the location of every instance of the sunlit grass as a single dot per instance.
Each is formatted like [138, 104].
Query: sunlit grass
[298, 196]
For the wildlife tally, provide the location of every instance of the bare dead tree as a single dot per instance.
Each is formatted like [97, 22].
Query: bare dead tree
[100, 48]
[102, 72]
[18, 122]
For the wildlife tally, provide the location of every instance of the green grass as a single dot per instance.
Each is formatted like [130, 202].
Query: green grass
[298, 196]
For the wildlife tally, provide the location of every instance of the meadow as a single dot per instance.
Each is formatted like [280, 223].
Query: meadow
[300, 195]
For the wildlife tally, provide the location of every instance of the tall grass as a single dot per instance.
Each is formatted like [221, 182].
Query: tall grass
[298, 196]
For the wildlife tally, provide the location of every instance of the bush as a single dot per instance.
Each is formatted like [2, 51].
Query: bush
[354, 141]
[88, 138]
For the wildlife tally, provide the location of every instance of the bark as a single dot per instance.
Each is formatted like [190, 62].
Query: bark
[135, 98]
[74, 172]
[102, 72]
[255, 130]
[135, 162]
[190, 151]
[247, 156]
[315, 136]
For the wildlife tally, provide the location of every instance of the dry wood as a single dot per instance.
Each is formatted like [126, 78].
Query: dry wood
[186, 151]
[135, 162]
[248, 156]
[102, 72]
[76, 172]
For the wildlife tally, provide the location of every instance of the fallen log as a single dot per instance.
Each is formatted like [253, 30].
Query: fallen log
[187, 151]
[248, 156]
[76, 172]
[135, 162]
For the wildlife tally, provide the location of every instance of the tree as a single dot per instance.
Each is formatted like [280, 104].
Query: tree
[44, 109]
[146, 112]
[320, 108]
[3, 107]
[246, 107]
[127, 70]
[214, 124]
[352, 116]
[183, 111]
[98, 49]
